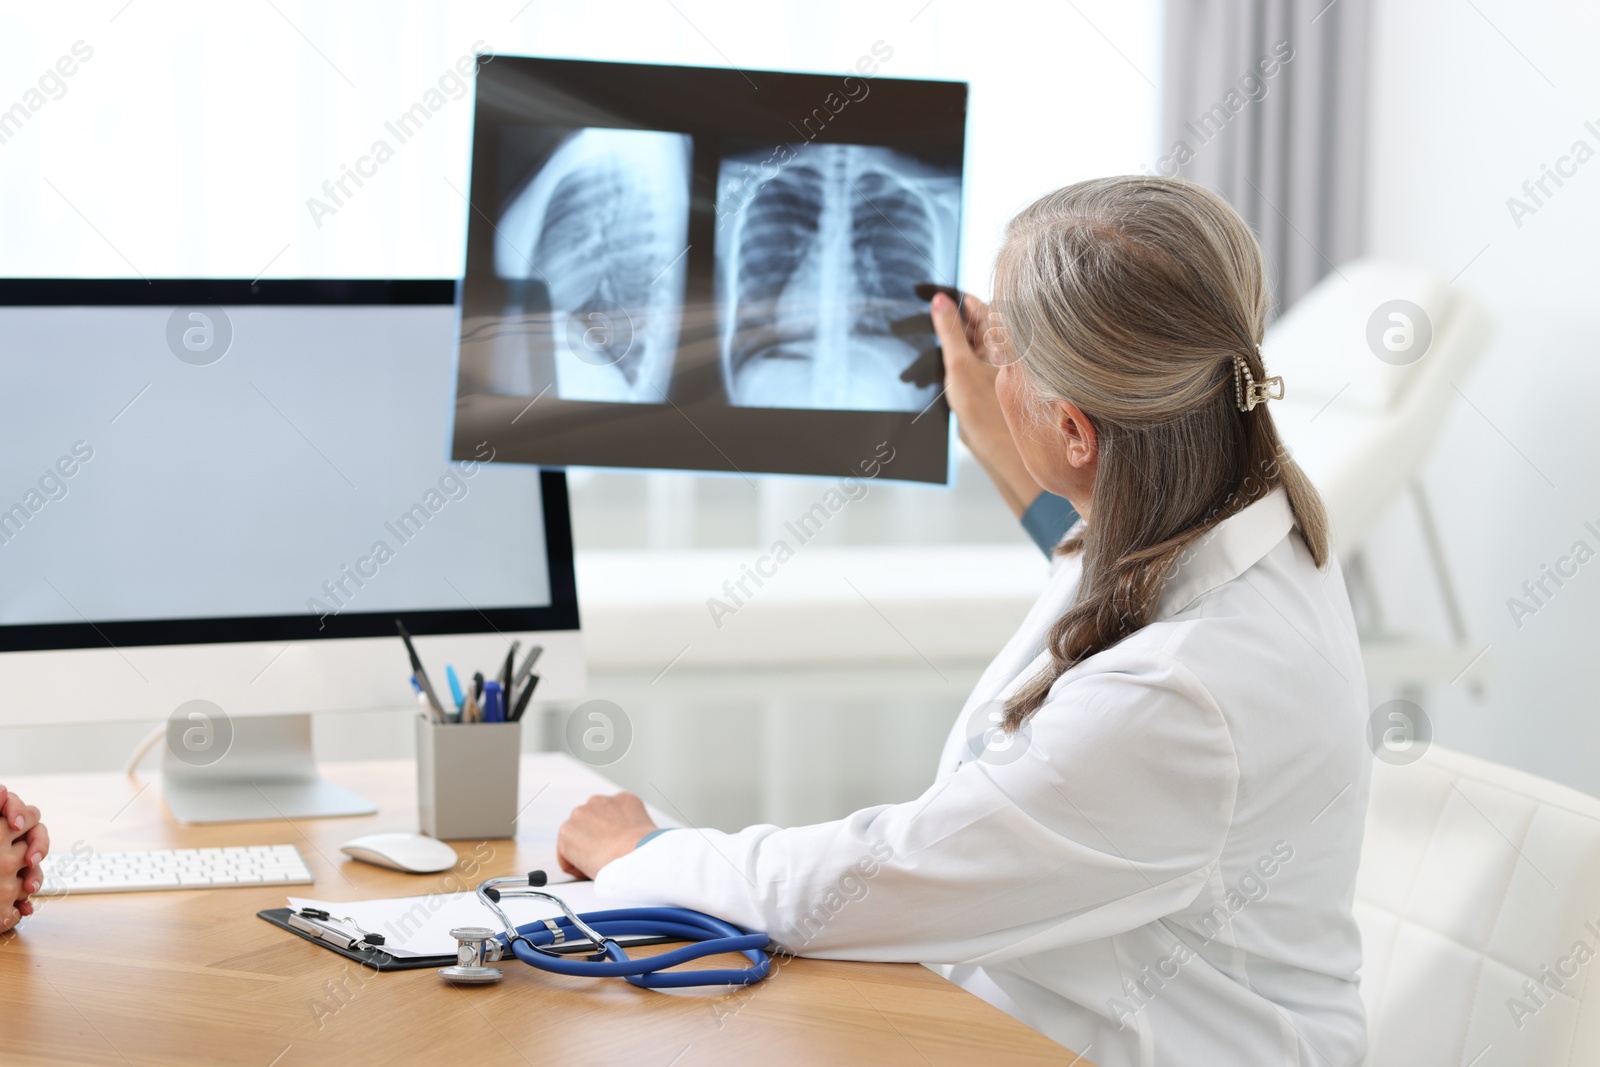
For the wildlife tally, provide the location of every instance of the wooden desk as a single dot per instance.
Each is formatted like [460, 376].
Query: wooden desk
[193, 977]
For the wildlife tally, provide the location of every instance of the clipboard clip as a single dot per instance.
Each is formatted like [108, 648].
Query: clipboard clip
[322, 926]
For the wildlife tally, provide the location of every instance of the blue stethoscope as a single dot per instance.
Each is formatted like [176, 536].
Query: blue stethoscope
[534, 943]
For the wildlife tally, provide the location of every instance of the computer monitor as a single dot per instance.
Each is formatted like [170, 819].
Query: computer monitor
[228, 492]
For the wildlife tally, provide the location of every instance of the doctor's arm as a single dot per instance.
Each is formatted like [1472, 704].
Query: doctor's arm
[969, 387]
[1113, 816]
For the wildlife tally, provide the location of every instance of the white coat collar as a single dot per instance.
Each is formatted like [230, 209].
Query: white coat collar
[1226, 552]
[1232, 547]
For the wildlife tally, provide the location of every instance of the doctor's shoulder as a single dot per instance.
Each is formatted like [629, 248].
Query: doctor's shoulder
[1188, 675]
[1133, 738]
[1139, 678]
[1270, 651]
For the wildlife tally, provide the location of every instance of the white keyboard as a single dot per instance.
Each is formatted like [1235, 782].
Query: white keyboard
[174, 868]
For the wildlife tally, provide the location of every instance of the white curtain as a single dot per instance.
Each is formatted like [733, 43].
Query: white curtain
[1265, 102]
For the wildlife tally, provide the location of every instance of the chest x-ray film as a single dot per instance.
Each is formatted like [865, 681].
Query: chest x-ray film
[708, 269]
[816, 266]
[601, 226]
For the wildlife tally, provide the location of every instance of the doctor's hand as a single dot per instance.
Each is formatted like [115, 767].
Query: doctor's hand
[969, 386]
[24, 842]
[600, 831]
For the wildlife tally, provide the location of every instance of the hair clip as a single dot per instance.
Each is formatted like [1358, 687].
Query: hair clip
[1247, 392]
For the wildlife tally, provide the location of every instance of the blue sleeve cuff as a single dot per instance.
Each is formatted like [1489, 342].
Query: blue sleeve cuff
[653, 833]
[1048, 519]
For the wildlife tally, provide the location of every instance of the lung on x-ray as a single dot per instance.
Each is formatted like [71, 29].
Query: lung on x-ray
[597, 236]
[816, 263]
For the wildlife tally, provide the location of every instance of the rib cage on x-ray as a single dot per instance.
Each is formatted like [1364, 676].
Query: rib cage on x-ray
[820, 259]
[603, 225]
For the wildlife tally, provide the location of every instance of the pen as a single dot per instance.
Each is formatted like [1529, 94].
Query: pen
[453, 715]
[477, 687]
[527, 664]
[421, 698]
[421, 674]
[505, 672]
[470, 711]
[522, 700]
[494, 702]
[455, 685]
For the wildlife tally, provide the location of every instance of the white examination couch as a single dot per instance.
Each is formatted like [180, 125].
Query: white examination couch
[1479, 905]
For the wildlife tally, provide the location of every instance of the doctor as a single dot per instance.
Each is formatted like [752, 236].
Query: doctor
[1143, 835]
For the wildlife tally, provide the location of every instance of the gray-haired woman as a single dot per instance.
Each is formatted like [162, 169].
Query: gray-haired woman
[1144, 831]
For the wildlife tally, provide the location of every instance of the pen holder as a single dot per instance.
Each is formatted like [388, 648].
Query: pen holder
[467, 778]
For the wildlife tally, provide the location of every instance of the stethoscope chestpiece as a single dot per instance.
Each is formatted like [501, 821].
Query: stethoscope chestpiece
[476, 949]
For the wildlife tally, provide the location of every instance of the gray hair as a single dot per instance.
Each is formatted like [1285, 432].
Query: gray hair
[1132, 297]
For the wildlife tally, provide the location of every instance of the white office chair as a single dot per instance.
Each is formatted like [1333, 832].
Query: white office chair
[1363, 428]
[1474, 879]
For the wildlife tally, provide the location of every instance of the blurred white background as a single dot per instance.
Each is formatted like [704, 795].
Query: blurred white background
[188, 146]
[1468, 102]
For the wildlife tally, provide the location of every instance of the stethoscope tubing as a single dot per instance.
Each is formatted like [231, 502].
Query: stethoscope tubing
[712, 936]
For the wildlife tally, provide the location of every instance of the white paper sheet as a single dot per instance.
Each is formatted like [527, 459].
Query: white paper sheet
[420, 926]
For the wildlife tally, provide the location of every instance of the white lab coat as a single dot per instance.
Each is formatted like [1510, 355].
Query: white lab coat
[1160, 873]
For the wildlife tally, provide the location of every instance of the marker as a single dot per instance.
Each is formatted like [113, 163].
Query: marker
[494, 702]
[455, 685]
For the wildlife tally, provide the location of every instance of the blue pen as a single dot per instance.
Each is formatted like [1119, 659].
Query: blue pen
[494, 702]
[455, 686]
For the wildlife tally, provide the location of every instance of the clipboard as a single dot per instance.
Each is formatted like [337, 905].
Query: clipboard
[376, 959]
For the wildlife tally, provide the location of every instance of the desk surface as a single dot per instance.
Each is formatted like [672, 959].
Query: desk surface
[190, 977]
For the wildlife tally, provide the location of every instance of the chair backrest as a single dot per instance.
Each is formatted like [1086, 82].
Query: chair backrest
[1478, 900]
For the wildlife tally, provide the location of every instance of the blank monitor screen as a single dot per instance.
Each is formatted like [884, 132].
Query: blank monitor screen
[186, 462]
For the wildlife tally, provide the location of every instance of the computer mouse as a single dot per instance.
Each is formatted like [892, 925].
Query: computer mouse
[412, 853]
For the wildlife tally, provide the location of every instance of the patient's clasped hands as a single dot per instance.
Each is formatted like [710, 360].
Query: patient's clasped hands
[24, 843]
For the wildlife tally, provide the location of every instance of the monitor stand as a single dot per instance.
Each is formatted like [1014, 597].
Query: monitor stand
[266, 774]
